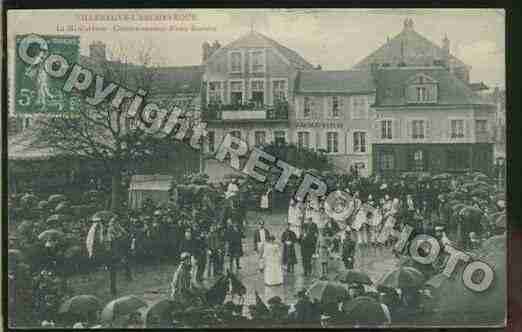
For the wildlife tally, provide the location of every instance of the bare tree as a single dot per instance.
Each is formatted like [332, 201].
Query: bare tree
[104, 133]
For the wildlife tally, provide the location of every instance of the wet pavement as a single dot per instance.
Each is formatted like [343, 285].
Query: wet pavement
[374, 263]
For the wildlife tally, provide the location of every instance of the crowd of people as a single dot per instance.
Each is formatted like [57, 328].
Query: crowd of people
[205, 238]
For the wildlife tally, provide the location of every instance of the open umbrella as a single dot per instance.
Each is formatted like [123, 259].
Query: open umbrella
[43, 205]
[56, 198]
[480, 177]
[120, 307]
[328, 291]
[62, 207]
[442, 176]
[159, 308]
[403, 277]
[480, 192]
[103, 215]
[80, 305]
[24, 226]
[354, 277]
[455, 302]
[436, 281]
[365, 310]
[56, 218]
[28, 199]
[50, 234]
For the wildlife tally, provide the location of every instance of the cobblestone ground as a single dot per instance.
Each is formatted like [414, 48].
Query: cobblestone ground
[152, 282]
[374, 263]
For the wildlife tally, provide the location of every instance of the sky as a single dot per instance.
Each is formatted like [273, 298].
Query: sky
[334, 38]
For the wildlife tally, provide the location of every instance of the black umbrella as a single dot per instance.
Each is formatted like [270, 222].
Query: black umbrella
[103, 215]
[159, 308]
[365, 310]
[121, 307]
[80, 305]
[354, 277]
[403, 277]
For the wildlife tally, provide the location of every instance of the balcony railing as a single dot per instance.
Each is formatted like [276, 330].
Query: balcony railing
[248, 111]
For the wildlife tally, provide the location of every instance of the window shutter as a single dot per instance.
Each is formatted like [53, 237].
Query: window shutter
[351, 108]
[349, 142]
[377, 128]
[329, 105]
[427, 128]
[298, 107]
[396, 124]
[467, 128]
[265, 91]
[409, 129]
[411, 96]
[434, 91]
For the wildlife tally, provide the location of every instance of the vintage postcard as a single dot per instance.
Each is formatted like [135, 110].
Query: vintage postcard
[267, 168]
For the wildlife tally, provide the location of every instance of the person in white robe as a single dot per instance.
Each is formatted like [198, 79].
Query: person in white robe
[294, 218]
[272, 256]
[390, 218]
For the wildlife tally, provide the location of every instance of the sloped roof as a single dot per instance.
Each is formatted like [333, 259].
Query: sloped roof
[184, 79]
[22, 147]
[165, 80]
[409, 47]
[335, 81]
[255, 39]
[451, 90]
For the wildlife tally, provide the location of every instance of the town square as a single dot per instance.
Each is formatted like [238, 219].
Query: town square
[238, 172]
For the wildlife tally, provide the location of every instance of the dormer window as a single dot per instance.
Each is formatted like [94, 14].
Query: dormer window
[421, 89]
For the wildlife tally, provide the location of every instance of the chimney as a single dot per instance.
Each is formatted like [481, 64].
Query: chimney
[408, 24]
[97, 51]
[215, 46]
[446, 45]
[205, 47]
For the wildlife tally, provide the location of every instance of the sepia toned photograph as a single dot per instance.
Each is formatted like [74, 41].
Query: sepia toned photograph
[256, 168]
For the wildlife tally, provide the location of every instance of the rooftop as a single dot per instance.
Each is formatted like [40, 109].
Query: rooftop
[409, 47]
[451, 90]
[335, 81]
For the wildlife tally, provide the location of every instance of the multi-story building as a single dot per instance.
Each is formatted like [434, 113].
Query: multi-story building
[248, 91]
[333, 113]
[428, 120]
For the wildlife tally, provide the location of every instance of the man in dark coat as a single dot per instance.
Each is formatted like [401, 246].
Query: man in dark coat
[234, 243]
[308, 245]
[216, 247]
[310, 227]
[304, 308]
[348, 250]
[289, 257]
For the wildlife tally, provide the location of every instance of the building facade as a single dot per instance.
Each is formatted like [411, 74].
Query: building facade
[333, 113]
[248, 91]
[428, 120]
